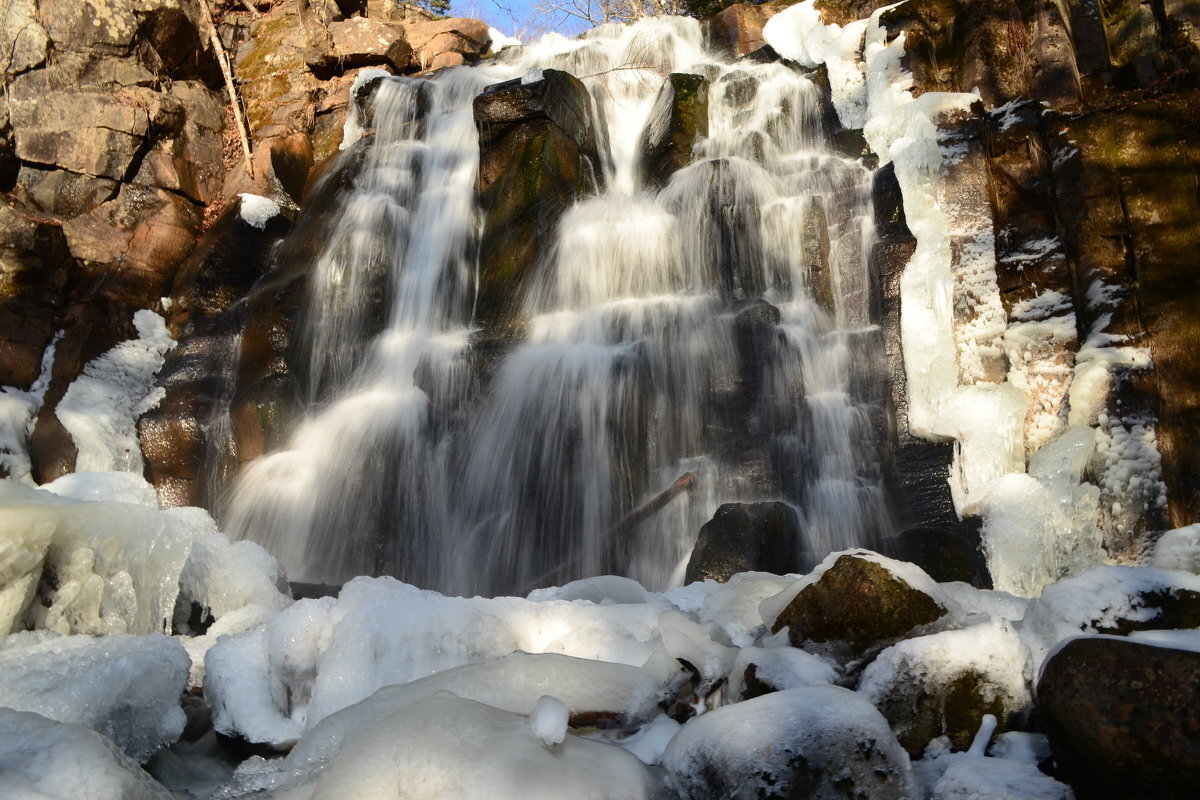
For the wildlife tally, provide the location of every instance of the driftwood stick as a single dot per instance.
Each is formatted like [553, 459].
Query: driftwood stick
[642, 513]
[227, 71]
[628, 523]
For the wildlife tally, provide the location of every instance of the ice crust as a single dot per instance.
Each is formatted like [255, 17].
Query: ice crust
[125, 687]
[274, 682]
[992, 650]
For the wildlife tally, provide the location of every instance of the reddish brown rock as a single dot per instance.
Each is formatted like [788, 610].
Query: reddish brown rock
[361, 42]
[737, 29]
[1123, 718]
[429, 39]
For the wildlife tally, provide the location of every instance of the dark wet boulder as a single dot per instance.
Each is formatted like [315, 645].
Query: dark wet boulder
[539, 152]
[678, 120]
[859, 604]
[1123, 718]
[745, 537]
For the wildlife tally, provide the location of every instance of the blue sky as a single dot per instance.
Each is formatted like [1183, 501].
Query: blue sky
[513, 16]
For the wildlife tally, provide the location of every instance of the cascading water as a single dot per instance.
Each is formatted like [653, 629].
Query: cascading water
[714, 327]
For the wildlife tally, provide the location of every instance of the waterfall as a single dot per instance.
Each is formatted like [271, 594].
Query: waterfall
[719, 326]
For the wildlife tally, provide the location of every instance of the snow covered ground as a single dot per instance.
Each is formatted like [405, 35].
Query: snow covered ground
[594, 689]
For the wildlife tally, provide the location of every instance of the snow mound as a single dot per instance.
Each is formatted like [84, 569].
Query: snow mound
[978, 778]
[125, 687]
[447, 747]
[1104, 599]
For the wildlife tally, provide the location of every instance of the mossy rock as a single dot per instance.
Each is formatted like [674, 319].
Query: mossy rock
[678, 120]
[858, 604]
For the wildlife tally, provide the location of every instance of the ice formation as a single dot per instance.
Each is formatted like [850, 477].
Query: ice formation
[119, 567]
[1033, 533]
[101, 408]
[18, 411]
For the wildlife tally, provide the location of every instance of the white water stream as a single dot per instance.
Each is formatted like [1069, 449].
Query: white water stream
[643, 359]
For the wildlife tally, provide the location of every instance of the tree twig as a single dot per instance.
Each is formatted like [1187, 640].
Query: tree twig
[227, 71]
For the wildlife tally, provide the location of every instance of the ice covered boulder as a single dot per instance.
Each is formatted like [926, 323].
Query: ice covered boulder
[322, 655]
[443, 746]
[759, 670]
[41, 759]
[943, 684]
[1122, 717]
[125, 687]
[978, 778]
[856, 603]
[1111, 599]
[814, 741]
[731, 609]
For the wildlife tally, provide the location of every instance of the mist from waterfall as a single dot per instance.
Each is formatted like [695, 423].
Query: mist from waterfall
[718, 327]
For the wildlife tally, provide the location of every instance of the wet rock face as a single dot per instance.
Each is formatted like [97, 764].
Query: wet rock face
[859, 604]
[678, 120]
[190, 445]
[745, 537]
[538, 152]
[1122, 718]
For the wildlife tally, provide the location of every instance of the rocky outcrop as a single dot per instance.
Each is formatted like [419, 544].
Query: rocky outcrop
[112, 147]
[743, 537]
[1121, 717]
[857, 606]
[539, 150]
